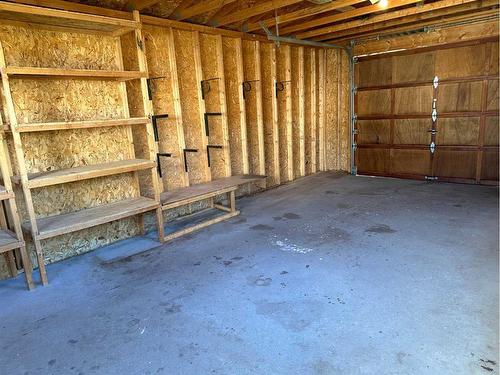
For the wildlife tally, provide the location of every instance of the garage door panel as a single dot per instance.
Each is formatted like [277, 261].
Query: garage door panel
[466, 61]
[489, 165]
[373, 131]
[460, 97]
[491, 130]
[374, 102]
[458, 131]
[375, 72]
[413, 100]
[455, 164]
[492, 98]
[413, 68]
[412, 132]
[493, 67]
[372, 160]
[417, 162]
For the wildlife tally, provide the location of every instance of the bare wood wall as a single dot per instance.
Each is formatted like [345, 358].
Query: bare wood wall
[280, 133]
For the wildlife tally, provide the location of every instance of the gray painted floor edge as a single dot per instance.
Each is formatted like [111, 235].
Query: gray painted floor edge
[331, 274]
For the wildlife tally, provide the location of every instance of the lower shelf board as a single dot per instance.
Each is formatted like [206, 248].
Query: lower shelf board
[8, 241]
[57, 225]
[4, 194]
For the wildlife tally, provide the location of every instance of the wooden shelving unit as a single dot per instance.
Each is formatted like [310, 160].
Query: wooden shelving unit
[56, 225]
[11, 240]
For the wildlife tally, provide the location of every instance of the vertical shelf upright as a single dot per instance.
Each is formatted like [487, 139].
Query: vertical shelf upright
[51, 226]
[12, 240]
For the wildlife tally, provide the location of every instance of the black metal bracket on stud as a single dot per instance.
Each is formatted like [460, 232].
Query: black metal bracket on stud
[280, 86]
[207, 115]
[205, 86]
[185, 159]
[208, 151]
[158, 166]
[150, 88]
[154, 118]
[247, 87]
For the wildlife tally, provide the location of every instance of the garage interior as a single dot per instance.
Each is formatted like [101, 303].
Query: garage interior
[249, 187]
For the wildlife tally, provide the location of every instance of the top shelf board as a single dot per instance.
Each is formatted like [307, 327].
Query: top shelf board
[63, 19]
[118, 75]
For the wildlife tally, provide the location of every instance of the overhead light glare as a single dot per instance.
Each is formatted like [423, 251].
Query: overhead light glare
[374, 1]
[383, 3]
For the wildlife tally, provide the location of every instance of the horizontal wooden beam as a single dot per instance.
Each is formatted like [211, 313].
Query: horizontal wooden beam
[302, 13]
[200, 8]
[340, 17]
[418, 13]
[252, 11]
[140, 4]
[484, 30]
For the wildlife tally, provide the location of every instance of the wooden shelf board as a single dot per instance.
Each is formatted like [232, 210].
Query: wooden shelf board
[119, 75]
[69, 125]
[193, 193]
[85, 172]
[72, 21]
[8, 241]
[57, 225]
[4, 194]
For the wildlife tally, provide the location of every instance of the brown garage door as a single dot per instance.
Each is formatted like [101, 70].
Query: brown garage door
[395, 132]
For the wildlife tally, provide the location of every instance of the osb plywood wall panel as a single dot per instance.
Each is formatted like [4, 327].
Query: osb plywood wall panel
[46, 100]
[297, 86]
[233, 71]
[189, 74]
[211, 62]
[161, 67]
[270, 113]
[285, 113]
[253, 106]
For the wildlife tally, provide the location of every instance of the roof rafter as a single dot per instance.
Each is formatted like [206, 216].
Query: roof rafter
[330, 30]
[302, 13]
[436, 22]
[419, 19]
[252, 11]
[343, 16]
[200, 8]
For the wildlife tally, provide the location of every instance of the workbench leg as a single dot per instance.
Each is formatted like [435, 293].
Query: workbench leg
[232, 201]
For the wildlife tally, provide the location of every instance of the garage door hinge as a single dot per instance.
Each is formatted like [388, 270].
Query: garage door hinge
[354, 90]
[354, 146]
[434, 115]
[432, 131]
[435, 83]
[354, 131]
[354, 118]
[354, 170]
[431, 178]
[432, 147]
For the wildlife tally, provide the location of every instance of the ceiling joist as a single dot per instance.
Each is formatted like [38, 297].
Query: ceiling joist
[330, 31]
[303, 13]
[200, 8]
[379, 23]
[245, 14]
[340, 17]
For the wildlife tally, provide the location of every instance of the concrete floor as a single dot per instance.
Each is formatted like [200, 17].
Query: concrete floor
[328, 275]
